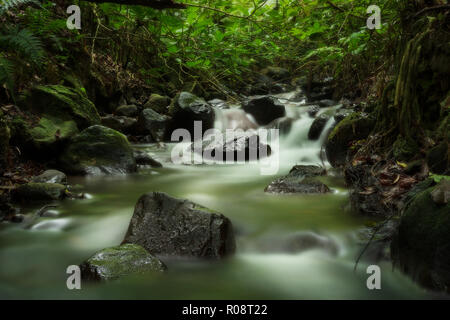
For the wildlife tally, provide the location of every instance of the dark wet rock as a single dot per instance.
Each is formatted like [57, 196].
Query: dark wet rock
[187, 108]
[318, 125]
[318, 89]
[261, 84]
[313, 110]
[365, 198]
[152, 123]
[301, 179]
[167, 226]
[120, 123]
[380, 236]
[51, 176]
[98, 150]
[50, 134]
[438, 158]
[243, 146]
[34, 191]
[341, 114]
[127, 110]
[143, 158]
[421, 248]
[277, 73]
[4, 144]
[356, 126]
[158, 103]
[264, 109]
[63, 103]
[299, 242]
[17, 218]
[283, 124]
[441, 193]
[121, 261]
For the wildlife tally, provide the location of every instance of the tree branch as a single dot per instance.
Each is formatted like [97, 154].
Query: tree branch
[157, 4]
[441, 7]
[331, 4]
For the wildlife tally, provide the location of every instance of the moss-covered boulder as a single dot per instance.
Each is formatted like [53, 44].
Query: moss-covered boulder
[98, 150]
[51, 130]
[35, 191]
[422, 245]
[158, 103]
[4, 143]
[117, 262]
[356, 126]
[64, 103]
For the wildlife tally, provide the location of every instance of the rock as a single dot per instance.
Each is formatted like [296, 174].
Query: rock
[51, 133]
[326, 103]
[438, 158]
[4, 144]
[187, 108]
[153, 123]
[313, 110]
[277, 73]
[364, 196]
[34, 191]
[283, 124]
[300, 242]
[142, 158]
[264, 109]
[421, 248]
[441, 193]
[167, 226]
[158, 103]
[17, 218]
[357, 126]
[51, 176]
[127, 111]
[122, 124]
[63, 103]
[261, 84]
[341, 114]
[301, 179]
[243, 146]
[317, 126]
[219, 104]
[121, 261]
[98, 150]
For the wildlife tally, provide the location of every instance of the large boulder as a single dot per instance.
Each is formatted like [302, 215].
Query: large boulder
[264, 109]
[127, 110]
[64, 103]
[51, 176]
[438, 158]
[52, 132]
[283, 124]
[4, 143]
[242, 146]
[154, 124]
[122, 124]
[421, 248]
[187, 108]
[318, 125]
[98, 150]
[117, 262]
[34, 191]
[157, 103]
[301, 179]
[357, 126]
[167, 226]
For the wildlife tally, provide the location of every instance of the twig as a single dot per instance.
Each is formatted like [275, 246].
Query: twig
[441, 7]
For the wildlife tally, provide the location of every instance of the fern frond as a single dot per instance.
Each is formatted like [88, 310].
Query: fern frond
[7, 74]
[26, 43]
[6, 5]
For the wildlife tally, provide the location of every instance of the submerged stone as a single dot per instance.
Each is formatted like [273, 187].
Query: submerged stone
[35, 191]
[117, 262]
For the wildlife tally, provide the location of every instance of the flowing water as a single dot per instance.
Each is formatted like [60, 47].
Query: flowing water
[33, 260]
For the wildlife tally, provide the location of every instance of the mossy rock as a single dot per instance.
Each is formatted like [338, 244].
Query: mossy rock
[158, 103]
[35, 191]
[421, 246]
[5, 135]
[405, 149]
[117, 262]
[356, 126]
[50, 130]
[438, 158]
[98, 150]
[64, 103]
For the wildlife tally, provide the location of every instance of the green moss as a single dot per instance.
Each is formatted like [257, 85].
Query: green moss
[39, 192]
[64, 103]
[50, 130]
[404, 149]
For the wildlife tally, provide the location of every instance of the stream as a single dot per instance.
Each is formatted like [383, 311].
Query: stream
[34, 260]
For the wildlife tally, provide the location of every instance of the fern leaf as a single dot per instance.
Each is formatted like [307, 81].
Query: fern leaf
[26, 43]
[7, 74]
[6, 5]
